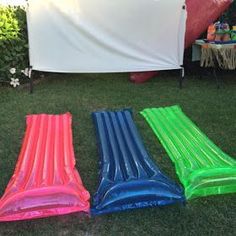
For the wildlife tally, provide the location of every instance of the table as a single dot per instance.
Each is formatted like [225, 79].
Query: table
[216, 56]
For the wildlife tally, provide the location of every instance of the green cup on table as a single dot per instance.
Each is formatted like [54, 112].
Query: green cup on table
[233, 35]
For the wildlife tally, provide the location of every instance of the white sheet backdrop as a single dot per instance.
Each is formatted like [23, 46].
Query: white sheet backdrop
[106, 35]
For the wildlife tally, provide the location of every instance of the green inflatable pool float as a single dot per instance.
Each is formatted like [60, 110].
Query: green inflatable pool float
[202, 167]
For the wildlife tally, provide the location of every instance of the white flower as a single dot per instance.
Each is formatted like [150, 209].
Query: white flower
[14, 82]
[26, 72]
[12, 71]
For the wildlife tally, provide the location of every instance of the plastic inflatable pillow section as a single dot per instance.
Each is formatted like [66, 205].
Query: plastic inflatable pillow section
[128, 177]
[202, 167]
[45, 181]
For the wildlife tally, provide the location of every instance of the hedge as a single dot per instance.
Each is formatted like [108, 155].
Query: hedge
[13, 42]
[230, 15]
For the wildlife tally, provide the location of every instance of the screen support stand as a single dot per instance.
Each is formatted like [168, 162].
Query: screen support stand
[31, 86]
[182, 75]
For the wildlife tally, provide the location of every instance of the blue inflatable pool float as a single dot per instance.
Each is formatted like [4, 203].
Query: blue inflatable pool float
[129, 179]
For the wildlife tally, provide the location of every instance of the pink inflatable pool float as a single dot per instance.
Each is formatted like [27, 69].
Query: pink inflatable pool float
[45, 181]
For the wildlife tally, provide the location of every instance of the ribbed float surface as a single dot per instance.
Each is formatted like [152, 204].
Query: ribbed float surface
[128, 177]
[202, 167]
[45, 181]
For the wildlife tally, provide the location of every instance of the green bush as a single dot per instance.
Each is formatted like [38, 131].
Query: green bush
[13, 42]
[230, 14]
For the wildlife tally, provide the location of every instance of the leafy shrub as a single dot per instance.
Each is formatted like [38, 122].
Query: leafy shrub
[13, 42]
[231, 14]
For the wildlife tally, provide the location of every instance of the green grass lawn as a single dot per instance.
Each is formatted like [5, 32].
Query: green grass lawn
[214, 111]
